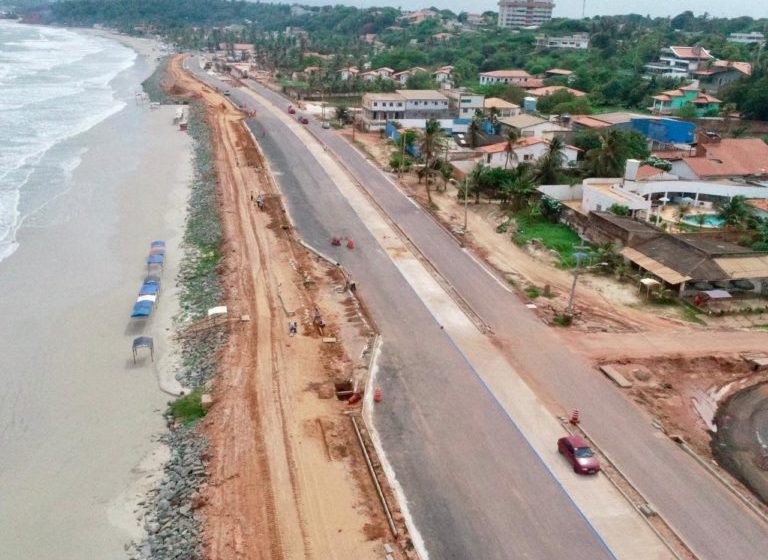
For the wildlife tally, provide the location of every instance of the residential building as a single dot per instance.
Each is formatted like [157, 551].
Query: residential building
[667, 102]
[385, 73]
[443, 74]
[500, 107]
[526, 150]
[475, 20]
[403, 76]
[464, 105]
[525, 125]
[415, 18]
[442, 37]
[722, 158]
[720, 74]
[349, 73]
[558, 73]
[404, 104]
[576, 41]
[549, 90]
[678, 62]
[746, 38]
[514, 77]
[525, 13]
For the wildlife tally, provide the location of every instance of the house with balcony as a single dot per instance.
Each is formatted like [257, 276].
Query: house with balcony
[500, 107]
[668, 102]
[576, 41]
[678, 62]
[403, 105]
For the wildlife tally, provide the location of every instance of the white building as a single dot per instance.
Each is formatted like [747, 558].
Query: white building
[746, 38]
[402, 105]
[576, 41]
[443, 74]
[526, 150]
[464, 105]
[504, 77]
[500, 107]
[525, 13]
[678, 62]
[525, 125]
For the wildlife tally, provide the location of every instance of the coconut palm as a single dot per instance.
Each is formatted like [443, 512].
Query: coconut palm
[519, 188]
[473, 131]
[609, 159]
[735, 212]
[682, 211]
[550, 163]
[429, 145]
[512, 139]
[700, 220]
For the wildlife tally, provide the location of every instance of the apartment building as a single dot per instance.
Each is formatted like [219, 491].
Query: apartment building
[525, 13]
[464, 105]
[403, 104]
[576, 41]
[747, 38]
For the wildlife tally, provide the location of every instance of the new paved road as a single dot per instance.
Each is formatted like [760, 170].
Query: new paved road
[711, 520]
[475, 487]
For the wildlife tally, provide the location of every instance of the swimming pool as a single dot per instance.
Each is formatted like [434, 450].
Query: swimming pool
[710, 221]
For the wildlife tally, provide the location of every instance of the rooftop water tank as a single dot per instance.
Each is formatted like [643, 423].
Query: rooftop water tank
[529, 104]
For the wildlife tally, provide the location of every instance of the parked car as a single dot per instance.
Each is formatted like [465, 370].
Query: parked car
[303, 120]
[291, 110]
[326, 124]
[227, 92]
[579, 454]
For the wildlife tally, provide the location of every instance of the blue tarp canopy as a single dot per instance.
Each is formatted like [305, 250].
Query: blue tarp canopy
[157, 243]
[149, 289]
[142, 309]
[155, 259]
[157, 251]
[152, 279]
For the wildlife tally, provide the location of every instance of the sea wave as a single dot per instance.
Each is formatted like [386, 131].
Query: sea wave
[56, 85]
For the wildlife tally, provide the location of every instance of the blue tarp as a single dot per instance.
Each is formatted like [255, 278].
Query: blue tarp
[149, 289]
[157, 243]
[155, 259]
[157, 251]
[142, 309]
[152, 279]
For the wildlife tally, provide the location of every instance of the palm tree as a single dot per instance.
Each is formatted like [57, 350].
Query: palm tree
[551, 162]
[519, 188]
[682, 211]
[610, 158]
[474, 180]
[700, 220]
[429, 145]
[512, 139]
[735, 212]
[342, 114]
[473, 131]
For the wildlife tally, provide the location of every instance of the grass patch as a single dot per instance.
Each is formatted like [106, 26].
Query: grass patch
[557, 237]
[563, 320]
[532, 292]
[690, 313]
[188, 409]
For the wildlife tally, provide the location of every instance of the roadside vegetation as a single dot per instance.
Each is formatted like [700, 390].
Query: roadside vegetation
[188, 409]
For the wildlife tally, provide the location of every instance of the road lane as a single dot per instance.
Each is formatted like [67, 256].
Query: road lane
[475, 487]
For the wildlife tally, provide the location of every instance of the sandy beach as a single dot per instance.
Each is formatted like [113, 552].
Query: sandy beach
[78, 421]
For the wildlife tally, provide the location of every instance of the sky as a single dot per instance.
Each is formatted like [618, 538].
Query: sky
[572, 8]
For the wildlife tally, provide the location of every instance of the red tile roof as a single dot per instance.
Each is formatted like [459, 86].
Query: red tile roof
[648, 171]
[506, 74]
[549, 90]
[759, 203]
[559, 72]
[589, 122]
[691, 53]
[732, 157]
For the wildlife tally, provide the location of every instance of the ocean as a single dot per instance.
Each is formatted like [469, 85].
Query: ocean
[55, 84]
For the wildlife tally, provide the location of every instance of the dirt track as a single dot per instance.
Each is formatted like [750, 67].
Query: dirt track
[285, 480]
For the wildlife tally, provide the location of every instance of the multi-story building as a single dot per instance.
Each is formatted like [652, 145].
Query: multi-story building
[678, 62]
[576, 41]
[403, 104]
[667, 102]
[464, 105]
[504, 77]
[525, 13]
[746, 38]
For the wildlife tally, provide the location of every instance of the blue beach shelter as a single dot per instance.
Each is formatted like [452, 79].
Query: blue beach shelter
[157, 243]
[157, 251]
[142, 309]
[158, 260]
[149, 289]
[152, 279]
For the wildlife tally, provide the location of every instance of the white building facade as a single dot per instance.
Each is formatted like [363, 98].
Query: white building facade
[525, 13]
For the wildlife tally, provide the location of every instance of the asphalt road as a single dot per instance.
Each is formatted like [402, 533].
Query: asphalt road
[475, 487]
[710, 519]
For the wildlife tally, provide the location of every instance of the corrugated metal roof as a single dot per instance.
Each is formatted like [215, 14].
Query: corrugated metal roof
[654, 267]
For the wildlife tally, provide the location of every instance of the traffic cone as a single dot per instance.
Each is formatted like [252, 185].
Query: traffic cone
[574, 417]
[335, 241]
[377, 395]
[350, 244]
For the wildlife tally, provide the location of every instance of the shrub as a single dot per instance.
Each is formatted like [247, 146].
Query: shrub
[188, 409]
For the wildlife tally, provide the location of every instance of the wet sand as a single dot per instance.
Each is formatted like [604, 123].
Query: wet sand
[78, 420]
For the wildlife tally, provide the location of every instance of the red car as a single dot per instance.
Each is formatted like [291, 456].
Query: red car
[291, 110]
[579, 454]
[303, 120]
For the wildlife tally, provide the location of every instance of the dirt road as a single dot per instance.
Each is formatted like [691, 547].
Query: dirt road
[285, 481]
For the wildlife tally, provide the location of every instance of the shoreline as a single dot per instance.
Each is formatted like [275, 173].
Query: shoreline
[78, 411]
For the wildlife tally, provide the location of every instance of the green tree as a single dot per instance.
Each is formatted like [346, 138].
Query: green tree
[735, 212]
[687, 112]
[429, 146]
[518, 188]
[619, 209]
[682, 211]
[512, 139]
[549, 165]
[342, 114]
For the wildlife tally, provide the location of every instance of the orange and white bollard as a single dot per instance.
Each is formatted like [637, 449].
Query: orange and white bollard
[350, 244]
[377, 395]
[574, 419]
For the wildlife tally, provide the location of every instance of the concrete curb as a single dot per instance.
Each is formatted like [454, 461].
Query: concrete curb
[724, 481]
[319, 253]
